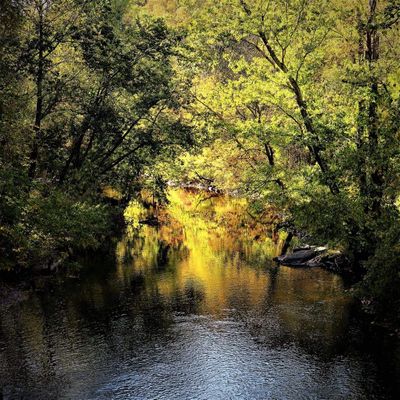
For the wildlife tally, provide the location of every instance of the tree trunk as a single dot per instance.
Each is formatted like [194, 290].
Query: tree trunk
[372, 56]
[39, 96]
[315, 147]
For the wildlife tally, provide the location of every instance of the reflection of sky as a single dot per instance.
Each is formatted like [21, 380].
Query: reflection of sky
[189, 313]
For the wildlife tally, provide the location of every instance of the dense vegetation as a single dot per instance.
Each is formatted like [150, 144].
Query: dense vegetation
[88, 102]
[292, 104]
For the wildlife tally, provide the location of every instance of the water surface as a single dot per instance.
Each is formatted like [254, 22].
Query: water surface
[194, 309]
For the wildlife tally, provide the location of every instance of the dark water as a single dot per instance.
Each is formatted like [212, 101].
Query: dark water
[193, 311]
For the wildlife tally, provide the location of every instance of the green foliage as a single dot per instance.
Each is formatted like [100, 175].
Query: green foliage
[89, 100]
[303, 114]
[52, 225]
[380, 287]
[134, 213]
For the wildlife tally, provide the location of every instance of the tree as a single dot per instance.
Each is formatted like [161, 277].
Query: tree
[99, 103]
[308, 91]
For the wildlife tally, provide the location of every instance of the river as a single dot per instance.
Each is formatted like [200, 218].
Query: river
[194, 309]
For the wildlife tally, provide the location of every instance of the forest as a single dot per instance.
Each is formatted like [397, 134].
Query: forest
[292, 105]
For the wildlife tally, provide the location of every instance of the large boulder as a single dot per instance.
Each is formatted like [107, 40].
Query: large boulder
[303, 257]
[310, 256]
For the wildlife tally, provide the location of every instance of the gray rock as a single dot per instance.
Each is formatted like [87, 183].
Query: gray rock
[304, 257]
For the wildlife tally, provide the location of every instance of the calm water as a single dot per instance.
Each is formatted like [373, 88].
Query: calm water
[194, 309]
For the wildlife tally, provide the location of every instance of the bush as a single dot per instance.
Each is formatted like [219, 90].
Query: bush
[380, 287]
[50, 225]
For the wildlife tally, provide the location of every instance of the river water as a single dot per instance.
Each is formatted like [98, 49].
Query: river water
[194, 309]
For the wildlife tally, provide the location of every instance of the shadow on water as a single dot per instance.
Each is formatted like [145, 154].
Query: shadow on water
[195, 309]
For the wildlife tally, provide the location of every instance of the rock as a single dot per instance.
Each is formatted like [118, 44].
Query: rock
[316, 261]
[306, 247]
[340, 264]
[303, 257]
[312, 256]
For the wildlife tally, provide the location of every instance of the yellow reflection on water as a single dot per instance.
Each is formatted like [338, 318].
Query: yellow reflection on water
[208, 248]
